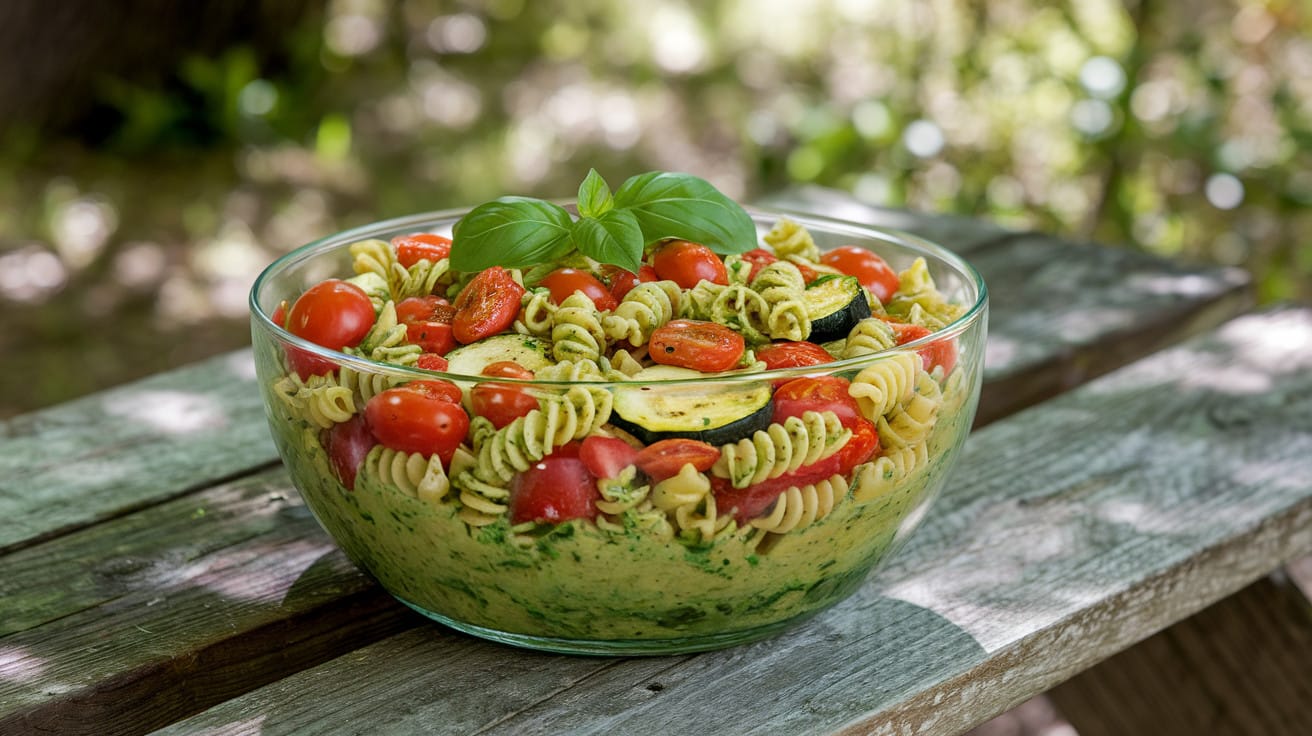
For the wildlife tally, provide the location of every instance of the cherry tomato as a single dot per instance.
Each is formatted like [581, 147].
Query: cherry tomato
[939, 352]
[808, 274]
[702, 346]
[347, 444]
[419, 417]
[817, 393]
[793, 355]
[279, 316]
[487, 305]
[432, 362]
[427, 321]
[605, 457]
[557, 488]
[437, 389]
[622, 282]
[664, 459]
[759, 258]
[332, 313]
[411, 249]
[686, 264]
[873, 272]
[565, 281]
[502, 403]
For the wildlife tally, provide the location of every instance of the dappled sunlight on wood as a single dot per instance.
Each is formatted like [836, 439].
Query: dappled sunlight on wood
[19, 665]
[170, 412]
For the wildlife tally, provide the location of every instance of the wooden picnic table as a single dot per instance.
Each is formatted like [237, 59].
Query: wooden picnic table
[158, 570]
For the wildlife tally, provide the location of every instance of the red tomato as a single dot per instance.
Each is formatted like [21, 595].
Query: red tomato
[793, 355]
[502, 403]
[622, 282]
[418, 417]
[873, 272]
[279, 316]
[557, 488]
[565, 281]
[818, 393]
[808, 274]
[427, 321]
[606, 456]
[939, 352]
[432, 362]
[332, 313]
[664, 459]
[686, 264]
[411, 249]
[759, 258]
[347, 444]
[702, 346]
[437, 389]
[487, 305]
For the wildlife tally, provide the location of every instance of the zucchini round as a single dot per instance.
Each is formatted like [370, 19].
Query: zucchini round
[471, 359]
[714, 413]
[835, 304]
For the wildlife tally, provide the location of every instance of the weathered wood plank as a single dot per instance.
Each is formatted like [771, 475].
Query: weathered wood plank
[160, 613]
[1242, 666]
[103, 455]
[1075, 529]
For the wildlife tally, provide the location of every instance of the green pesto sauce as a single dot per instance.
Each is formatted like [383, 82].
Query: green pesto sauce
[577, 580]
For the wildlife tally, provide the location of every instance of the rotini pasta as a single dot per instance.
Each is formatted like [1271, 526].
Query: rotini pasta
[916, 290]
[318, 400]
[781, 448]
[421, 279]
[411, 473]
[537, 313]
[621, 493]
[366, 384]
[780, 285]
[647, 307]
[576, 331]
[688, 487]
[801, 506]
[736, 306]
[887, 472]
[788, 238]
[912, 424]
[882, 387]
[871, 335]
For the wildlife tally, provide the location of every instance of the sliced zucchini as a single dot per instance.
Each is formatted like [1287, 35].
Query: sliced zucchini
[714, 413]
[469, 360]
[835, 304]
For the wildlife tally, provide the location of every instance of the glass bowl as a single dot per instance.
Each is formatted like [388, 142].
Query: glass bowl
[662, 568]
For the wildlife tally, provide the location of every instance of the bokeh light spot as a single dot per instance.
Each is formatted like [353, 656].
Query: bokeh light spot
[1224, 191]
[923, 138]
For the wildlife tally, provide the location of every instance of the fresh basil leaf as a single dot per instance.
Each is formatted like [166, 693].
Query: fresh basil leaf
[594, 195]
[683, 206]
[511, 231]
[614, 238]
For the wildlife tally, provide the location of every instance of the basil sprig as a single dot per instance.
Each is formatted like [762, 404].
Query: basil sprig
[517, 232]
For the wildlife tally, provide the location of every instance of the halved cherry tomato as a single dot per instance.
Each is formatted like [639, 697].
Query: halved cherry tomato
[606, 456]
[502, 403]
[554, 489]
[332, 313]
[686, 264]
[427, 321]
[793, 355]
[411, 249]
[702, 346]
[665, 458]
[939, 352]
[279, 316]
[421, 417]
[816, 393]
[432, 362]
[347, 443]
[759, 258]
[873, 272]
[622, 282]
[752, 501]
[487, 305]
[565, 281]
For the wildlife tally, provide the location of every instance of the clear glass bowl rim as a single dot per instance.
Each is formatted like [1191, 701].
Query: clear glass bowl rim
[416, 222]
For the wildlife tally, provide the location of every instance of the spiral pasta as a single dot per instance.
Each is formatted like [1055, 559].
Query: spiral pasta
[421, 279]
[387, 341]
[870, 335]
[375, 287]
[621, 493]
[781, 448]
[884, 474]
[780, 285]
[918, 301]
[536, 313]
[911, 424]
[366, 384]
[882, 387]
[798, 507]
[738, 270]
[688, 497]
[647, 307]
[318, 400]
[373, 256]
[411, 473]
[576, 331]
[735, 306]
[788, 238]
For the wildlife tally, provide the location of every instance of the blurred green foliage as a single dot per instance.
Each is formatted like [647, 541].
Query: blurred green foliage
[127, 243]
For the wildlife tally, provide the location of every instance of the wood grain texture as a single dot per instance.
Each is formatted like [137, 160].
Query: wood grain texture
[105, 454]
[1242, 666]
[1074, 530]
[135, 622]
